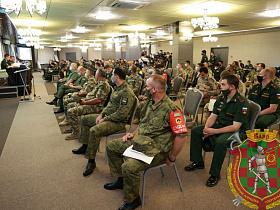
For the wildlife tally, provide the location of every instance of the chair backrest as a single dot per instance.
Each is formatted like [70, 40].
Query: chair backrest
[131, 118]
[177, 84]
[109, 96]
[192, 102]
[174, 73]
[255, 110]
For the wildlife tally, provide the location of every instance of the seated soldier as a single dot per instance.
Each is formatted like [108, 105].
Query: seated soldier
[181, 72]
[162, 125]
[251, 78]
[275, 79]
[190, 72]
[206, 65]
[109, 72]
[267, 95]
[207, 85]
[167, 77]
[92, 104]
[230, 114]
[77, 96]
[112, 119]
[72, 87]
[217, 71]
[134, 80]
[73, 76]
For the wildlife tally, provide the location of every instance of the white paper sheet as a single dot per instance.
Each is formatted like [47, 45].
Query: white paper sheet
[129, 152]
[211, 104]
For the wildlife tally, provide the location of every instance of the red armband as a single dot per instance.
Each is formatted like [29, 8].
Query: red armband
[165, 76]
[177, 122]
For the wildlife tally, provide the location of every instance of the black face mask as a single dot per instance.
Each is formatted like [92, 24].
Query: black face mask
[260, 79]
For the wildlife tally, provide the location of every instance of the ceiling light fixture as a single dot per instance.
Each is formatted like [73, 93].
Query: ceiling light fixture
[31, 6]
[205, 23]
[104, 15]
[80, 30]
[56, 49]
[210, 39]
[187, 35]
[271, 13]
[30, 36]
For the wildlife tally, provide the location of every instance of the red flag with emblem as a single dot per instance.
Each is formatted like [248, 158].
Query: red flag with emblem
[271, 157]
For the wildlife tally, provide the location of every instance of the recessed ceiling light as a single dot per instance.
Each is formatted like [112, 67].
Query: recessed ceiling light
[213, 7]
[28, 22]
[104, 15]
[80, 30]
[271, 13]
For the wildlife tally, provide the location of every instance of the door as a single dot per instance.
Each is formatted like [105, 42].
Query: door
[71, 56]
[222, 54]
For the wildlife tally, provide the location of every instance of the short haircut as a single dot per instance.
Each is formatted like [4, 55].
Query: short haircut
[101, 72]
[204, 70]
[133, 68]
[107, 67]
[97, 64]
[159, 81]
[63, 66]
[120, 72]
[91, 71]
[6, 55]
[221, 61]
[137, 65]
[81, 68]
[232, 80]
[200, 64]
[224, 74]
[231, 66]
[235, 63]
[262, 65]
[74, 65]
[12, 56]
[204, 51]
[188, 62]
[269, 73]
[156, 71]
[181, 64]
[217, 64]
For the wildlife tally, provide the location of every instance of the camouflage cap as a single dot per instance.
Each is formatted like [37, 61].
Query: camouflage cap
[145, 145]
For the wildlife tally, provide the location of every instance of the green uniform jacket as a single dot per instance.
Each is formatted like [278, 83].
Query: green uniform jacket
[4, 64]
[204, 59]
[80, 81]
[134, 82]
[155, 122]
[100, 91]
[190, 72]
[237, 109]
[213, 59]
[73, 75]
[89, 85]
[266, 96]
[120, 105]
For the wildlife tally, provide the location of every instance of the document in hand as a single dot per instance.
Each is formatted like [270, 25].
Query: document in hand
[129, 152]
[211, 104]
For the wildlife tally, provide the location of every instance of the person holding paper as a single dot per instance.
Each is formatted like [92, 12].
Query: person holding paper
[161, 133]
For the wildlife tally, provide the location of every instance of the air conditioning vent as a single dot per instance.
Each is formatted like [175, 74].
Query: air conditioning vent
[126, 4]
[90, 25]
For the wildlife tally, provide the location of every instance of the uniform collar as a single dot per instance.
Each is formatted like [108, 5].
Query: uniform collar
[121, 86]
[268, 85]
[233, 99]
[155, 106]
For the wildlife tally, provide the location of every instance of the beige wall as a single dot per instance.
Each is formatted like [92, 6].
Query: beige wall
[62, 53]
[44, 55]
[164, 46]
[259, 46]
[93, 54]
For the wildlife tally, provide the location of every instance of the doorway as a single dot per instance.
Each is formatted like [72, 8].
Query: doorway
[222, 54]
[71, 56]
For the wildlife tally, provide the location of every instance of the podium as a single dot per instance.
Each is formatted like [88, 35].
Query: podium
[23, 76]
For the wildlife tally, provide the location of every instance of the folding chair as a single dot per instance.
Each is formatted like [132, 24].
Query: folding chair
[124, 131]
[178, 81]
[159, 166]
[192, 102]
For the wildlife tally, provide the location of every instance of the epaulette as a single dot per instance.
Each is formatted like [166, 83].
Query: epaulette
[274, 86]
[240, 99]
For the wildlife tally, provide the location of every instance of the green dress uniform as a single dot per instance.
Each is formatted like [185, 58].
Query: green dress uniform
[270, 94]
[4, 64]
[88, 87]
[213, 59]
[73, 75]
[135, 82]
[204, 59]
[237, 109]
[115, 116]
[100, 91]
[154, 123]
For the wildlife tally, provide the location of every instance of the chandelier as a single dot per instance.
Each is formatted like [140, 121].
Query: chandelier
[30, 36]
[56, 49]
[31, 6]
[145, 45]
[205, 23]
[187, 35]
[210, 39]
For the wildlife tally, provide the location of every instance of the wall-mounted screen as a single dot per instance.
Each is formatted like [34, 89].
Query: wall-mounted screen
[24, 53]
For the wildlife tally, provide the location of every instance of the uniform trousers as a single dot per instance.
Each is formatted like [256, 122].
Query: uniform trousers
[220, 147]
[130, 168]
[91, 133]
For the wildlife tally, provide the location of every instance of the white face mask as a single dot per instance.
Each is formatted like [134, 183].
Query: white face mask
[196, 68]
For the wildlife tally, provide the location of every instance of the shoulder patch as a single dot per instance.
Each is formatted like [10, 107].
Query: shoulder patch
[240, 99]
[124, 101]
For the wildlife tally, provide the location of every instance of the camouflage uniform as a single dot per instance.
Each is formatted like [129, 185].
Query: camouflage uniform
[115, 116]
[252, 78]
[209, 85]
[155, 123]
[276, 81]
[135, 81]
[101, 91]
[182, 73]
[190, 72]
[88, 87]
[210, 72]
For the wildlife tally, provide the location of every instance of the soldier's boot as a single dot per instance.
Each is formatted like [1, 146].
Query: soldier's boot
[68, 130]
[62, 117]
[73, 136]
[64, 122]
[136, 121]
